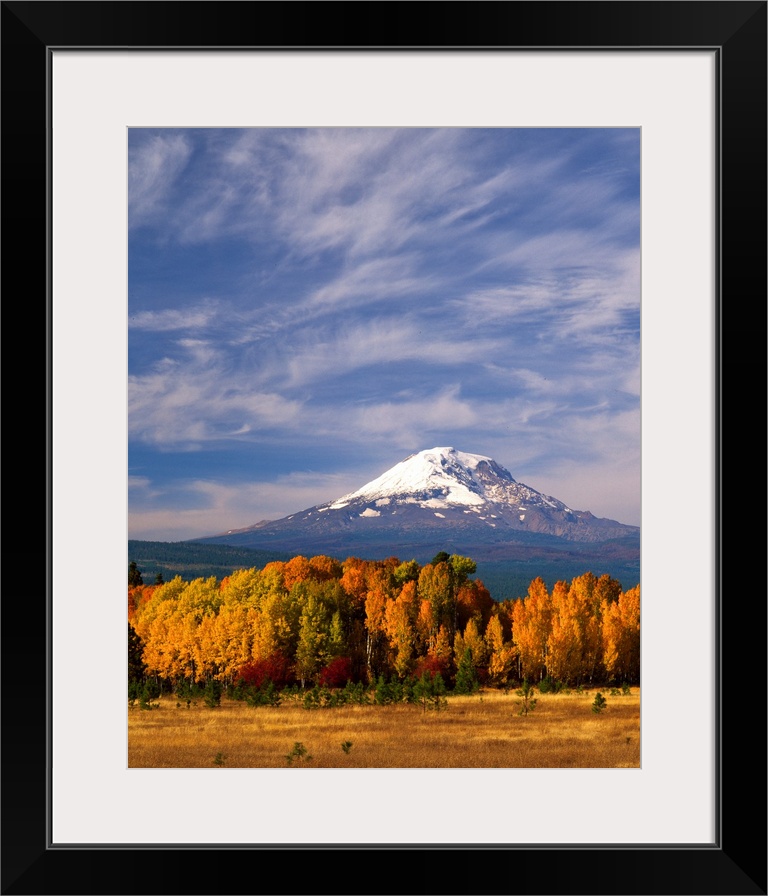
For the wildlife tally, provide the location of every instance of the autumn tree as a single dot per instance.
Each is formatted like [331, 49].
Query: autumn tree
[400, 627]
[297, 569]
[227, 638]
[575, 642]
[406, 572]
[473, 641]
[310, 651]
[323, 619]
[462, 568]
[501, 653]
[324, 568]
[245, 588]
[138, 597]
[376, 599]
[531, 629]
[473, 601]
[621, 636]
[436, 588]
[353, 579]
[442, 651]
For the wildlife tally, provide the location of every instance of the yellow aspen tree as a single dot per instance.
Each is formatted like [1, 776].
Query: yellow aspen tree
[241, 587]
[621, 637]
[286, 618]
[406, 572]
[575, 644]
[375, 609]
[270, 580]
[265, 627]
[424, 627]
[201, 648]
[587, 595]
[157, 653]
[606, 589]
[232, 640]
[500, 653]
[313, 634]
[473, 640]
[564, 641]
[531, 628]
[436, 587]
[200, 598]
[164, 596]
[442, 649]
[399, 622]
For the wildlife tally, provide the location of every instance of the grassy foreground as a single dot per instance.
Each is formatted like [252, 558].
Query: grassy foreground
[484, 730]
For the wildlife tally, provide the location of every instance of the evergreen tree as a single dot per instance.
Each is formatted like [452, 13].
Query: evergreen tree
[429, 691]
[212, 693]
[134, 576]
[136, 668]
[466, 677]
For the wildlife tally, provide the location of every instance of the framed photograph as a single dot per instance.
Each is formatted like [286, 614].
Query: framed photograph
[89, 89]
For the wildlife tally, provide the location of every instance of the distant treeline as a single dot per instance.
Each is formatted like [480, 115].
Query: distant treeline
[320, 621]
[192, 560]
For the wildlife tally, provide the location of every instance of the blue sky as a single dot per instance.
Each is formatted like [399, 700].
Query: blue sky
[307, 307]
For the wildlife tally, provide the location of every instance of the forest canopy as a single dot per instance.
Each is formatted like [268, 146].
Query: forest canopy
[319, 621]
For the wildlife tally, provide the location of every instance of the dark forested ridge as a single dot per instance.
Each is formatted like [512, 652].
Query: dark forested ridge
[192, 560]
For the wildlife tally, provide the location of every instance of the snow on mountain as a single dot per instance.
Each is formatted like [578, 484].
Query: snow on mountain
[444, 477]
[437, 472]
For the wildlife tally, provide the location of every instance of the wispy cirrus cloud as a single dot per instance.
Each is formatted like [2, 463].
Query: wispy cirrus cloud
[154, 165]
[197, 507]
[196, 317]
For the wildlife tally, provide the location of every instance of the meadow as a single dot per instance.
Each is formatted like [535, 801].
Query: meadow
[487, 729]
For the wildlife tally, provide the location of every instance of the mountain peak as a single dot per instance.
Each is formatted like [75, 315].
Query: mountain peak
[436, 476]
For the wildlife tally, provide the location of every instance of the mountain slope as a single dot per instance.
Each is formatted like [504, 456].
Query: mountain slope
[439, 499]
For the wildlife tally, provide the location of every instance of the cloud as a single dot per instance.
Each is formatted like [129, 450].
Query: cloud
[394, 341]
[153, 167]
[196, 317]
[580, 303]
[201, 507]
[367, 282]
[197, 402]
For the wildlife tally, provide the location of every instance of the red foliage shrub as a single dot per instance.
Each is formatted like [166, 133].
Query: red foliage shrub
[275, 668]
[433, 664]
[337, 673]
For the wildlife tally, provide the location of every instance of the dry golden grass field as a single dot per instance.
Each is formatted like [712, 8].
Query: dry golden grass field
[484, 730]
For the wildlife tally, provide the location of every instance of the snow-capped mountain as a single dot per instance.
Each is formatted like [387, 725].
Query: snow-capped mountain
[439, 498]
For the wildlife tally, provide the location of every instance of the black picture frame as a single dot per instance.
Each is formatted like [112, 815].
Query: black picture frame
[736, 862]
